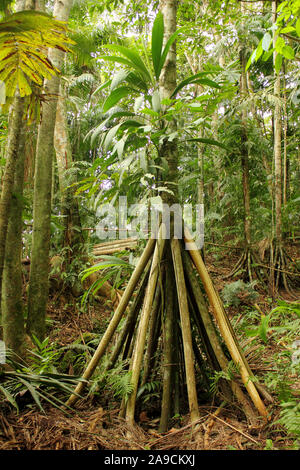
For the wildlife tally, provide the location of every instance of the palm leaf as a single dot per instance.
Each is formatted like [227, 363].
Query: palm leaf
[9, 397]
[24, 39]
[115, 96]
[133, 59]
[157, 42]
[197, 78]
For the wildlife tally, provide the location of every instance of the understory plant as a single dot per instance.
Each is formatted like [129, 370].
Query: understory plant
[37, 380]
[277, 337]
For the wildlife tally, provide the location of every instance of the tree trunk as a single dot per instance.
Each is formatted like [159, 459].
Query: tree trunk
[39, 267]
[15, 129]
[245, 156]
[12, 286]
[64, 161]
[277, 145]
[167, 84]
[11, 224]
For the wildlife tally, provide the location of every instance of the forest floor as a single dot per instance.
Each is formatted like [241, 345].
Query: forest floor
[94, 424]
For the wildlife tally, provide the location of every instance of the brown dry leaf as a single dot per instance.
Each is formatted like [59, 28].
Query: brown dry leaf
[99, 417]
[143, 417]
[172, 430]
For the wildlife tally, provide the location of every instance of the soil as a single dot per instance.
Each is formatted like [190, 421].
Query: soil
[94, 423]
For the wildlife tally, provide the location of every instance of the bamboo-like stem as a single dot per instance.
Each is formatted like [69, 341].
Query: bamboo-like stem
[186, 330]
[113, 243]
[168, 347]
[152, 336]
[115, 319]
[111, 251]
[213, 337]
[143, 325]
[225, 327]
[129, 322]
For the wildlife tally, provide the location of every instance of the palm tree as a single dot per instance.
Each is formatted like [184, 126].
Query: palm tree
[188, 330]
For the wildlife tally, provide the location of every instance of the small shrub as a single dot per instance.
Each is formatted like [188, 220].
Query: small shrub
[239, 292]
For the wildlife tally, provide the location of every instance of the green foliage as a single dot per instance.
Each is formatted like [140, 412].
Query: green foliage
[229, 375]
[43, 358]
[24, 38]
[281, 327]
[112, 268]
[269, 445]
[120, 382]
[290, 417]
[262, 329]
[239, 292]
[36, 381]
[117, 379]
[285, 30]
[150, 391]
[287, 307]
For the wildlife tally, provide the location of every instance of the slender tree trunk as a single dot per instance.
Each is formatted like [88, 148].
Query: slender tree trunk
[170, 151]
[15, 129]
[12, 286]
[277, 145]
[245, 156]
[39, 268]
[11, 229]
[285, 154]
[64, 163]
[169, 348]
[167, 85]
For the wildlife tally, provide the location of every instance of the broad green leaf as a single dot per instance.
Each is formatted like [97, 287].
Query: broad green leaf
[94, 133]
[149, 112]
[101, 87]
[208, 82]
[282, 5]
[259, 51]
[251, 60]
[279, 44]
[117, 59]
[208, 141]
[119, 147]
[267, 55]
[9, 397]
[197, 78]
[108, 262]
[266, 41]
[133, 57]
[138, 103]
[131, 123]
[287, 29]
[24, 39]
[110, 135]
[263, 327]
[157, 42]
[156, 101]
[115, 96]
[298, 27]
[138, 82]
[33, 392]
[167, 47]
[118, 78]
[288, 52]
